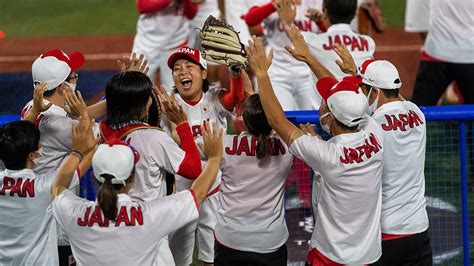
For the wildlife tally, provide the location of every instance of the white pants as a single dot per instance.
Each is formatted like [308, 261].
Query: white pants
[182, 240]
[157, 59]
[417, 15]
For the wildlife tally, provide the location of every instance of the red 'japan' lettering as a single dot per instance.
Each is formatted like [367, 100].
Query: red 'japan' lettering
[402, 122]
[356, 155]
[19, 187]
[352, 43]
[129, 217]
[303, 25]
[243, 147]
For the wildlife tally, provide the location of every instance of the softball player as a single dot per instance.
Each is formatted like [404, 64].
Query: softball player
[27, 233]
[162, 27]
[200, 103]
[128, 100]
[417, 16]
[105, 232]
[404, 220]
[291, 78]
[347, 229]
[254, 169]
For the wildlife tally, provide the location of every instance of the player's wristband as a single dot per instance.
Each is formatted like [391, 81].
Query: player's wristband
[77, 153]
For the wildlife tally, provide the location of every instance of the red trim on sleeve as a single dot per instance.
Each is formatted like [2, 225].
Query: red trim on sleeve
[39, 119]
[321, 26]
[195, 199]
[386, 237]
[257, 14]
[190, 9]
[214, 191]
[190, 167]
[151, 6]
[25, 110]
[235, 95]
[317, 258]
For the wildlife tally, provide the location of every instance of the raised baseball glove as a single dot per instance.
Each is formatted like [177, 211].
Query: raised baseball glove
[221, 43]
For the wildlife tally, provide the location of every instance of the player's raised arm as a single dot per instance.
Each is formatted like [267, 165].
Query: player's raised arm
[300, 51]
[346, 62]
[80, 157]
[38, 103]
[236, 94]
[260, 62]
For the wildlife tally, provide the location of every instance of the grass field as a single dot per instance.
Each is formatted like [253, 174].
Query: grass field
[29, 18]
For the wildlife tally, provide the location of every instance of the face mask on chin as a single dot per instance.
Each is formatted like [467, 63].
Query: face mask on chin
[373, 106]
[325, 127]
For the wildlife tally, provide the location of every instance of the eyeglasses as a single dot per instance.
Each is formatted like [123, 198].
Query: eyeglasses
[73, 77]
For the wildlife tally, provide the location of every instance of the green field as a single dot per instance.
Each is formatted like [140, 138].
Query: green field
[28, 18]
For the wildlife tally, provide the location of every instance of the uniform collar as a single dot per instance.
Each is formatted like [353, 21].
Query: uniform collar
[339, 27]
[347, 137]
[397, 105]
[15, 173]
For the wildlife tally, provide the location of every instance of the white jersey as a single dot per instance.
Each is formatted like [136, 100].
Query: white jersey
[133, 238]
[403, 179]
[349, 197]
[417, 15]
[450, 36]
[284, 64]
[234, 9]
[259, 185]
[165, 29]
[53, 110]
[27, 234]
[361, 47]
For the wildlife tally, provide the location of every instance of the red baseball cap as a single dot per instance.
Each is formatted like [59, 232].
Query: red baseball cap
[189, 53]
[75, 59]
[344, 99]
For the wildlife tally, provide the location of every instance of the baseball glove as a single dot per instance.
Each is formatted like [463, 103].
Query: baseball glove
[221, 43]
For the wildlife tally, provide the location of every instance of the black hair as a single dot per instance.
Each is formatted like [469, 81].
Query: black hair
[107, 196]
[340, 11]
[390, 93]
[127, 95]
[49, 93]
[257, 124]
[17, 140]
[347, 128]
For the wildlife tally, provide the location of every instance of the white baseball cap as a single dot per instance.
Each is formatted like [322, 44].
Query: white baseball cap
[116, 158]
[344, 99]
[189, 53]
[380, 74]
[53, 67]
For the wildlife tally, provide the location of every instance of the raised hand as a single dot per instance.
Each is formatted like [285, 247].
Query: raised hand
[298, 48]
[258, 59]
[83, 140]
[132, 63]
[172, 109]
[308, 129]
[38, 103]
[286, 10]
[212, 141]
[346, 64]
[314, 15]
[75, 105]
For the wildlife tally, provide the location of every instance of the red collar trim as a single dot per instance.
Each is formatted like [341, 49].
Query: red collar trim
[109, 134]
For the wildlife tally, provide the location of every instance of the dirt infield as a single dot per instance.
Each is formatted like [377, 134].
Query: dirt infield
[17, 54]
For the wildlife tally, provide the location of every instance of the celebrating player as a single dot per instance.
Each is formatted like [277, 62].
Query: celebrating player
[128, 100]
[291, 79]
[27, 235]
[106, 232]
[200, 103]
[254, 169]
[349, 165]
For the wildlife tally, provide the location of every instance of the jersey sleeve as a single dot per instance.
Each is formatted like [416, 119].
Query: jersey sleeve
[66, 209]
[56, 132]
[179, 210]
[313, 150]
[163, 150]
[216, 102]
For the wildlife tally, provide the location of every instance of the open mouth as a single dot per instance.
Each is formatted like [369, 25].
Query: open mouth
[186, 83]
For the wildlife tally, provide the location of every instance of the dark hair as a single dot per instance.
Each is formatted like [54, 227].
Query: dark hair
[127, 95]
[257, 124]
[107, 196]
[390, 93]
[49, 93]
[340, 11]
[17, 140]
[347, 128]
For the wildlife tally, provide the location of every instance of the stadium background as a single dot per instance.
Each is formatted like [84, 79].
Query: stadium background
[103, 30]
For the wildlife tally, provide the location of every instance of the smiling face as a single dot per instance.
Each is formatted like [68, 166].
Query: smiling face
[188, 78]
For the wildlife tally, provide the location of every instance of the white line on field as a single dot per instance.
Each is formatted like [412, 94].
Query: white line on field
[114, 56]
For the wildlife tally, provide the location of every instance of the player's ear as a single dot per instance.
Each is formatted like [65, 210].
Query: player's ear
[204, 74]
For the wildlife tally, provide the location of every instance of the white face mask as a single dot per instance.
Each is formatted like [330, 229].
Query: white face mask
[326, 127]
[373, 106]
[71, 85]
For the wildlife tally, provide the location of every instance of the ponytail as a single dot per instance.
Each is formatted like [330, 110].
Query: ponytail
[107, 197]
[263, 147]
[257, 124]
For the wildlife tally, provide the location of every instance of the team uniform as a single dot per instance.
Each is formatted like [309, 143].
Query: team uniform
[234, 10]
[260, 227]
[403, 182]
[159, 34]
[348, 182]
[97, 241]
[210, 109]
[417, 15]
[209, 7]
[160, 154]
[27, 231]
[291, 79]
